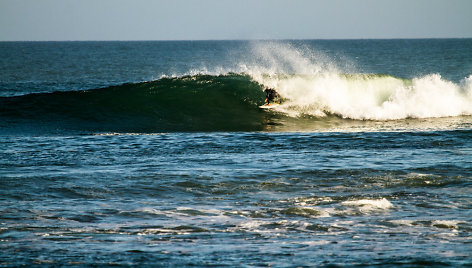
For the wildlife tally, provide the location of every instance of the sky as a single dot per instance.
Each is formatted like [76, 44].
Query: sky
[55, 20]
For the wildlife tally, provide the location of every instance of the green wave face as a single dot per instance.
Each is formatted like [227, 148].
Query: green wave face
[189, 103]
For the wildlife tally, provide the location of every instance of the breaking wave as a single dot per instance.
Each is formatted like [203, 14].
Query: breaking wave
[314, 94]
[230, 102]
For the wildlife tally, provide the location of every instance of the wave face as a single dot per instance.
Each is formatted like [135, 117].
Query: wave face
[230, 103]
[189, 103]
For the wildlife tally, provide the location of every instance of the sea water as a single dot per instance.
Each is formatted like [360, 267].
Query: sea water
[156, 153]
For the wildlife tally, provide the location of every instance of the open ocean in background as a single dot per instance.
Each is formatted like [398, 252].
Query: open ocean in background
[155, 153]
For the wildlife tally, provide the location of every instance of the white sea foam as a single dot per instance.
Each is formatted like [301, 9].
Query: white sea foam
[366, 205]
[402, 222]
[311, 84]
[371, 97]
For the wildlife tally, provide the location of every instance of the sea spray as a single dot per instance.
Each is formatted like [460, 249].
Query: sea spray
[311, 83]
[276, 58]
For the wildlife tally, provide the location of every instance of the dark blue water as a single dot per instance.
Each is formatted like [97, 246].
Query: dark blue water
[156, 153]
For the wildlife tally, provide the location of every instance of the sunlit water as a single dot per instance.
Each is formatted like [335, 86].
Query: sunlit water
[298, 190]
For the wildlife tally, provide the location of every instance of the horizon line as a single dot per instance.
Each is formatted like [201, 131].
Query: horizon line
[249, 39]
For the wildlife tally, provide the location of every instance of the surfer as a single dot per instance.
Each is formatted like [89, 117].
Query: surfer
[271, 95]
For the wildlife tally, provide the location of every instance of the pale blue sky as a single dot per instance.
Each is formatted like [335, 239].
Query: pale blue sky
[237, 19]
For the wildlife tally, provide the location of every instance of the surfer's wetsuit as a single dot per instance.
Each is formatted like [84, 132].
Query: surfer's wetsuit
[271, 94]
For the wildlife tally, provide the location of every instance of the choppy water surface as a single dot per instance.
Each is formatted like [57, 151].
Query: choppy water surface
[245, 199]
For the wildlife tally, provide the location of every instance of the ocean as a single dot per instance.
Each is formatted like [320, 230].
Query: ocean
[155, 153]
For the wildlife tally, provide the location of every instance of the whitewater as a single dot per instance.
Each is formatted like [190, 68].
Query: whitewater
[371, 96]
[312, 84]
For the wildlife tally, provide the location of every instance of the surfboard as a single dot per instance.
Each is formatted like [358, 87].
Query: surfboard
[269, 106]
